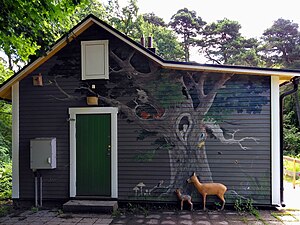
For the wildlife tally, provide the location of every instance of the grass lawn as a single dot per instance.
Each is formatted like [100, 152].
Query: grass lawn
[288, 165]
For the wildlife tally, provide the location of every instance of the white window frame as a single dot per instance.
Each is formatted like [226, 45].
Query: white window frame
[84, 44]
[114, 150]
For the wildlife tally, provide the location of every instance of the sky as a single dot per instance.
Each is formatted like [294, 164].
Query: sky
[255, 16]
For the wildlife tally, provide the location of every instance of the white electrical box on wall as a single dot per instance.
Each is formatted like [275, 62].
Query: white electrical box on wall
[43, 153]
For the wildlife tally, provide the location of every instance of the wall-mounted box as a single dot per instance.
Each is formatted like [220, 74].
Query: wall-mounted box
[43, 153]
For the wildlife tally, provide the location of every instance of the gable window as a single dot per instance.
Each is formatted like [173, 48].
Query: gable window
[94, 60]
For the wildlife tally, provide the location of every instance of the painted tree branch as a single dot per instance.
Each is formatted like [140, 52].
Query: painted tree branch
[126, 66]
[189, 100]
[124, 108]
[199, 86]
[219, 134]
[207, 100]
[67, 97]
[218, 85]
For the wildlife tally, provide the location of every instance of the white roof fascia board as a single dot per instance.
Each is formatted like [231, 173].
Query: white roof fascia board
[249, 71]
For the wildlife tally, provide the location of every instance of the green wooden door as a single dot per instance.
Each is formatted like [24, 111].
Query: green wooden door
[93, 175]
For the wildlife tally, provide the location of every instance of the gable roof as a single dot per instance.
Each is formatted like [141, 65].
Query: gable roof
[5, 88]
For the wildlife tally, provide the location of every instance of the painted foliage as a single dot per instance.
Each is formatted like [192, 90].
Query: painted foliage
[185, 114]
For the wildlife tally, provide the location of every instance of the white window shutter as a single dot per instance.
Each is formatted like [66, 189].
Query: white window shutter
[94, 59]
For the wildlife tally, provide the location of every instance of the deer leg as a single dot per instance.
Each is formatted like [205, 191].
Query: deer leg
[191, 204]
[223, 199]
[181, 204]
[204, 201]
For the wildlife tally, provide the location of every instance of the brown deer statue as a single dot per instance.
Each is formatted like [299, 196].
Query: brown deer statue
[208, 189]
[183, 198]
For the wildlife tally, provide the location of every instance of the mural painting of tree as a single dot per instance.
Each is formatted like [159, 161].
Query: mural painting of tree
[172, 104]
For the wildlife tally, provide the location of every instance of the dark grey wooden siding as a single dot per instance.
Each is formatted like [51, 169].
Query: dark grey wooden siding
[242, 106]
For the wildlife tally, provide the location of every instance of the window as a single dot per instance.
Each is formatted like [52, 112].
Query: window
[94, 60]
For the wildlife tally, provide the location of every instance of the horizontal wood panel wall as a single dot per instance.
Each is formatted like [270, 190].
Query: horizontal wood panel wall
[44, 113]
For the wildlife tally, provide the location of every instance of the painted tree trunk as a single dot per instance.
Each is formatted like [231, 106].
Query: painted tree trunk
[184, 160]
[188, 154]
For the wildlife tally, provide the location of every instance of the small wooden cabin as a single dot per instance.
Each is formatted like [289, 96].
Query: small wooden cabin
[122, 123]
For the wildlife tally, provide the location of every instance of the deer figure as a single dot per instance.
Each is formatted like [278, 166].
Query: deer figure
[183, 198]
[208, 189]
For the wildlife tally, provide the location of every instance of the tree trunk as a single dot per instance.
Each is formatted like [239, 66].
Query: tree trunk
[10, 63]
[186, 159]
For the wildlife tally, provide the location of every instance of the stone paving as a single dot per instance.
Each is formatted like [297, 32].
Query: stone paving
[55, 217]
[159, 217]
[229, 217]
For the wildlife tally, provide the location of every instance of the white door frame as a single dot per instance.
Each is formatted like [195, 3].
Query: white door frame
[114, 150]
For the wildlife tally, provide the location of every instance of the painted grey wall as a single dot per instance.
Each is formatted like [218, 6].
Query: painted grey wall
[145, 157]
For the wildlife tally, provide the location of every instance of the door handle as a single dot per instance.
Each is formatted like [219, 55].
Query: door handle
[108, 150]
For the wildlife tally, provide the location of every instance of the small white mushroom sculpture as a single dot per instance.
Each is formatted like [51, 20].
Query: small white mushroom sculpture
[136, 190]
[141, 185]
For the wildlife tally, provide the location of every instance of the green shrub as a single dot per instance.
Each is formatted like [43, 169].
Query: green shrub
[4, 156]
[244, 205]
[5, 181]
[291, 136]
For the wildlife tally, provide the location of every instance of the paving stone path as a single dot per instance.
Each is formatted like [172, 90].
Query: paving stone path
[159, 217]
[211, 218]
[55, 217]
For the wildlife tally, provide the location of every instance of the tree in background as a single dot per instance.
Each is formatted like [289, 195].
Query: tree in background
[281, 48]
[291, 137]
[221, 42]
[153, 19]
[187, 25]
[130, 22]
[168, 47]
[5, 120]
[281, 44]
[26, 26]
[5, 139]
[164, 40]
[126, 19]
[94, 7]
